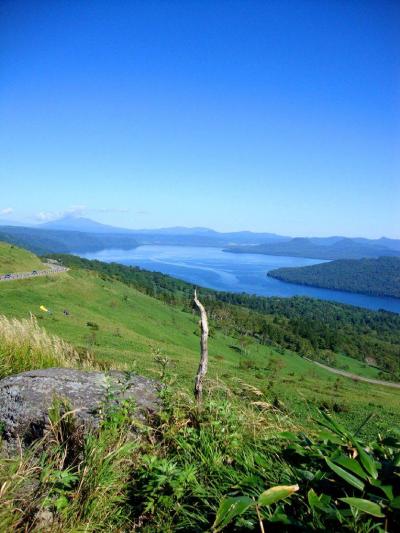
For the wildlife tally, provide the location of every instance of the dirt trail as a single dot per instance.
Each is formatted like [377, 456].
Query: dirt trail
[356, 377]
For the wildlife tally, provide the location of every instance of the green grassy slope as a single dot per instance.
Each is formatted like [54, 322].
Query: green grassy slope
[133, 327]
[14, 259]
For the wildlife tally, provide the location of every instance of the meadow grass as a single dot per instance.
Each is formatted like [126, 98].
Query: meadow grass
[169, 475]
[172, 473]
[24, 345]
[120, 326]
[175, 472]
[14, 259]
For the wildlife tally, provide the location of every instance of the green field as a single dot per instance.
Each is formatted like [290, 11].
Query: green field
[14, 259]
[130, 328]
[175, 472]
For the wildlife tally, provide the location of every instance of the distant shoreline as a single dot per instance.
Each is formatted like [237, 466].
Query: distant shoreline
[305, 284]
[211, 270]
[378, 277]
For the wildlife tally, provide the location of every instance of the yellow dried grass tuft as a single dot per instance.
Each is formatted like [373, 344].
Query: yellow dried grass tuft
[24, 345]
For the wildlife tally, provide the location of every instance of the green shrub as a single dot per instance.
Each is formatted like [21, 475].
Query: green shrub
[223, 466]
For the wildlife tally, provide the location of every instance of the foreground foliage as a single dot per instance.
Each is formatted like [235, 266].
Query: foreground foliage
[348, 482]
[226, 466]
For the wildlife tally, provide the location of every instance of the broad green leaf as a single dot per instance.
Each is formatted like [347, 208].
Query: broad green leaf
[352, 480]
[319, 474]
[326, 435]
[367, 462]
[274, 494]
[365, 506]
[230, 508]
[320, 503]
[279, 517]
[304, 474]
[288, 435]
[386, 489]
[350, 464]
[314, 501]
[333, 425]
[395, 503]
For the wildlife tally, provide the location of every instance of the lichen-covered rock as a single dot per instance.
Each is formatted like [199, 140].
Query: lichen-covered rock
[25, 399]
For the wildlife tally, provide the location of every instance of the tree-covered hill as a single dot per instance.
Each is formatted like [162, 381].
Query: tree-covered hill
[303, 247]
[377, 277]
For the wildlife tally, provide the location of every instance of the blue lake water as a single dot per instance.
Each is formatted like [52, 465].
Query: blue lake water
[213, 268]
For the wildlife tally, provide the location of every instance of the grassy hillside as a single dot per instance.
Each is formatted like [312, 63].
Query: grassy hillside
[191, 466]
[123, 326]
[14, 259]
[317, 329]
[378, 277]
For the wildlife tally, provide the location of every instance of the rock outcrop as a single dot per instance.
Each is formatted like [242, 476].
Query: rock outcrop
[25, 399]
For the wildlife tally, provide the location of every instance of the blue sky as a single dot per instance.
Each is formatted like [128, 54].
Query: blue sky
[278, 116]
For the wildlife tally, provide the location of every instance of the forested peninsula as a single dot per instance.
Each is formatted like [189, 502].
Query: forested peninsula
[375, 277]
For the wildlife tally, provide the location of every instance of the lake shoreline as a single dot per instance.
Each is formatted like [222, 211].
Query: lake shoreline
[305, 284]
[215, 269]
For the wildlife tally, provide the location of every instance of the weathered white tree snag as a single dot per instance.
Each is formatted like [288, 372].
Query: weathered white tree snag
[202, 370]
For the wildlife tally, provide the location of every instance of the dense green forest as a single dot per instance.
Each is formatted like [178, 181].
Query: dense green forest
[313, 328]
[302, 247]
[378, 277]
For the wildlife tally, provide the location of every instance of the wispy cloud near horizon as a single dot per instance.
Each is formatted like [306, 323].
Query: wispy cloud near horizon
[6, 211]
[73, 211]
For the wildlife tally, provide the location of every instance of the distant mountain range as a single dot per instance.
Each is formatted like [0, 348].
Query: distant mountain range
[80, 234]
[87, 225]
[82, 224]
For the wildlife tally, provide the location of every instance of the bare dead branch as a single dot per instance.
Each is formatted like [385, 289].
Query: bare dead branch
[202, 370]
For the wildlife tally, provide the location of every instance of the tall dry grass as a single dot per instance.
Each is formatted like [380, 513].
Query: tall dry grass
[24, 345]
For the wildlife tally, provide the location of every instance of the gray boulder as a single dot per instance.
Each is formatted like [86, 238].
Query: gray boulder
[25, 398]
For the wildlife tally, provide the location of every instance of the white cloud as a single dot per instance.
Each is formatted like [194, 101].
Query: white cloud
[7, 211]
[76, 211]
[73, 211]
[46, 216]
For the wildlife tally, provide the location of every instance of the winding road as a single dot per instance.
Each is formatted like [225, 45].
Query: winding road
[51, 270]
[356, 377]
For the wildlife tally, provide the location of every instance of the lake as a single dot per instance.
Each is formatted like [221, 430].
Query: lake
[213, 268]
